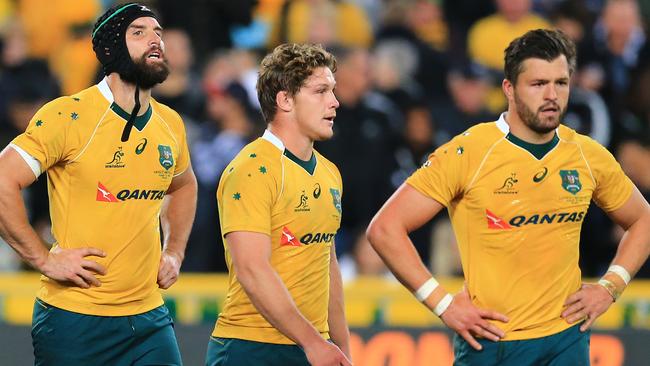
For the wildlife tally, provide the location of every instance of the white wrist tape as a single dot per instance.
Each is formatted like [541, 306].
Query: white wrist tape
[443, 305]
[621, 271]
[426, 289]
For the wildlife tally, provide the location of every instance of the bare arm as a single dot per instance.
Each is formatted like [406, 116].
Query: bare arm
[592, 300]
[339, 331]
[251, 253]
[176, 217]
[406, 210]
[66, 266]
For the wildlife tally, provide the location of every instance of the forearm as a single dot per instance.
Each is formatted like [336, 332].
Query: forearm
[272, 299]
[632, 252]
[16, 230]
[338, 326]
[398, 252]
[177, 217]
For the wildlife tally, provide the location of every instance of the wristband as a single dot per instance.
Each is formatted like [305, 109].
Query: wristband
[443, 305]
[426, 289]
[621, 271]
[610, 287]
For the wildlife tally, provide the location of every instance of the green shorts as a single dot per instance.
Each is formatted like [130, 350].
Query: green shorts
[569, 347]
[62, 337]
[239, 352]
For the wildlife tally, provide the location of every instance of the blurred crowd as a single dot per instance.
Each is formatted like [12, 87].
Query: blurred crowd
[411, 75]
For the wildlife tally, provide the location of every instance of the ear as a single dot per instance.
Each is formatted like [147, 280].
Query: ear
[284, 101]
[508, 89]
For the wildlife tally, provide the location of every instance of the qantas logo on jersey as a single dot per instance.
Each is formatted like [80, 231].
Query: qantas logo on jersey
[103, 194]
[140, 194]
[311, 238]
[495, 222]
[288, 239]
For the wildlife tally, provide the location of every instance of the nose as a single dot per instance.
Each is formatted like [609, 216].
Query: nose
[336, 101]
[155, 39]
[550, 93]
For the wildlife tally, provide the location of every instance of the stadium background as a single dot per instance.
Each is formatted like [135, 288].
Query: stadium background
[412, 74]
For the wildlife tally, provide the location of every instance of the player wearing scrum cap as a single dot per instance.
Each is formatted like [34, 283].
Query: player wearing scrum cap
[113, 178]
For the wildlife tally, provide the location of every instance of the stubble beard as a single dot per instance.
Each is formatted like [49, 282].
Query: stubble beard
[533, 121]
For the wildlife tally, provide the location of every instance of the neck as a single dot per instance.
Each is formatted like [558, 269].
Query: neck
[299, 144]
[124, 94]
[523, 132]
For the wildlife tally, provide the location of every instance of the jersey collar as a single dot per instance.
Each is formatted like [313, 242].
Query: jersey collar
[308, 165]
[537, 150]
[140, 121]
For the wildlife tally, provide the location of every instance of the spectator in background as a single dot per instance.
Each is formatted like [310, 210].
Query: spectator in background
[618, 46]
[321, 21]
[182, 90]
[208, 22]
[362, 145]
[489, 36]
[634, 155]
[60, 33]
[405, 42]
[469, 86]
[461, 15]
[231, 122]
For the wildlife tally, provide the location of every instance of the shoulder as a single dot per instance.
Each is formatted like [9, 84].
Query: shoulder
[478, 137]
[259, 155]
[591, 149]
[170, 116]
[327, 163]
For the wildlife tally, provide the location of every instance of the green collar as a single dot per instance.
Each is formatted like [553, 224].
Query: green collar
[140, 121]
[308, 165]
[538, 150]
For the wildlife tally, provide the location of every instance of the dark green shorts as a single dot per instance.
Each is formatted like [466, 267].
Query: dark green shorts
[62, 337]
[239, 352]
[569, 347]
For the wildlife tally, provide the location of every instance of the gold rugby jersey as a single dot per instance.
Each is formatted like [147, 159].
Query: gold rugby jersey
[107, 194]
[266, 189]
[517, 209]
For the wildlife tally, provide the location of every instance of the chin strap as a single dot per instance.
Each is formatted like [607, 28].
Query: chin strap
[134, 113]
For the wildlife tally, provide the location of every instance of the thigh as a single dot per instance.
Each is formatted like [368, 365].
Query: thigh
[62, 337]
[238, 352]
[466, 355]
[570, 347]
[155, 340]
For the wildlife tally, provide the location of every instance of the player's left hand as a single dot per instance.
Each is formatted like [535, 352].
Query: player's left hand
[587, 303]
[170, 266]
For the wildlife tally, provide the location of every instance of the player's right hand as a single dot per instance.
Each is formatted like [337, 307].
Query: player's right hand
[70, 266]
[326, 354]
[470, 321]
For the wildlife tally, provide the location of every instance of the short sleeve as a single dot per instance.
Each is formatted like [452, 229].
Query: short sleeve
[45, 138]
[248, 192]
[613, 187]
[183, 161]
[443, 175]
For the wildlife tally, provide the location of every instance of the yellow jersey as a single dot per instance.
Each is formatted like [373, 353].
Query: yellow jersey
[266, 189]
[516, 210]
[107, 194]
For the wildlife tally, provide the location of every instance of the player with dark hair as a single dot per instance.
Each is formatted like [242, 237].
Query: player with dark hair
[114, 178]
[517, 191]
[280, 207]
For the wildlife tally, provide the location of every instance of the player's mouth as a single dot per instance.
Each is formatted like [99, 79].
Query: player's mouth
[550, 109]
[330, 119]
[155, 54]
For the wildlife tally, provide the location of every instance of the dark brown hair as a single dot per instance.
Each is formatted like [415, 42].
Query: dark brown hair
[544, 44]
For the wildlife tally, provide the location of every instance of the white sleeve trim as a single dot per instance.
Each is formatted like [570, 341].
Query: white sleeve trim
[33, 164]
